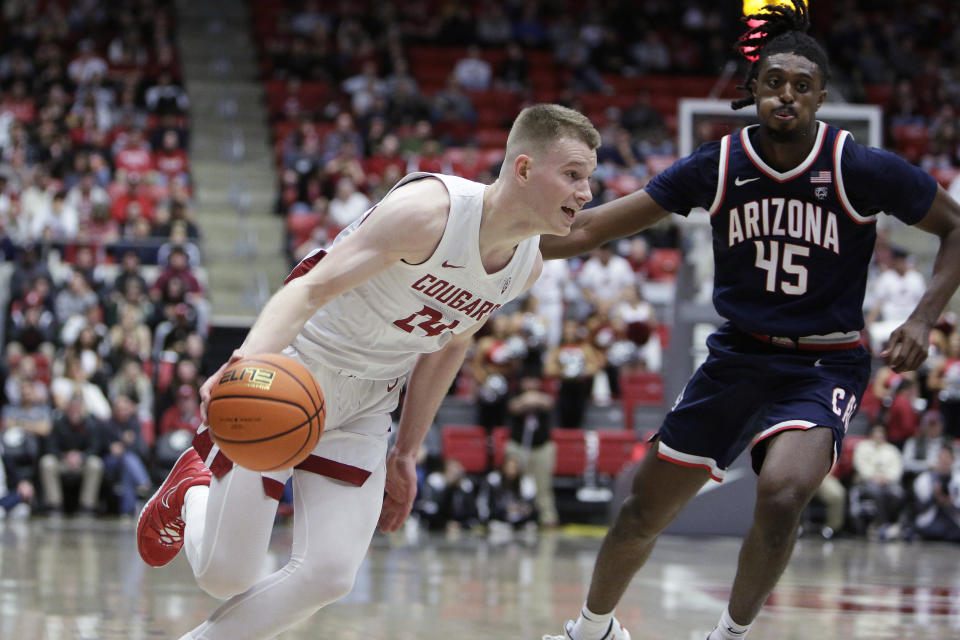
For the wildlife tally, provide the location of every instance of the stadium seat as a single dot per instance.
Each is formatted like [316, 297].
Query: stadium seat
[945, 176]
[844, 466]
[643, 389]
[870, 404]
[571, 452]
[643, 386]
[500, 437]
[663, 333]
[657, 164]
[492, 137]
[148, 431]
[663, 264]
[912, 141]
[301, 225]
[616, 450]
[467, 444]
[881, 94]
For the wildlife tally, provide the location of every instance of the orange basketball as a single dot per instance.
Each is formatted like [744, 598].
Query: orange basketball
[266, 412]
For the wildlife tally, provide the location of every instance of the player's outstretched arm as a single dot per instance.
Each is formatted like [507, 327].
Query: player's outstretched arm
[909, 342]
[598, 225]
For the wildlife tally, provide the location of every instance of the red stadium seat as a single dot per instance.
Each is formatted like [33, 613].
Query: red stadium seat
[571, 452]
[301, 225]
[844, 466]
[501, 99]
[912, 141]
[467, 444]
[663, 264]
[663, 332]
[656, 164]
[148, 431]
[616, 450]
[622, 183]
[492, 115]
[881, 94]
[500, 437]
[492, 137]
[945, 176]
[643, 389]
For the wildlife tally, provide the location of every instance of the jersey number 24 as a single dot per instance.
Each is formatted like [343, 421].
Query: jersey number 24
[430, 324]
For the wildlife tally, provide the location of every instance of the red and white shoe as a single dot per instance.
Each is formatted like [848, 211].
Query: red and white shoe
[160, 527]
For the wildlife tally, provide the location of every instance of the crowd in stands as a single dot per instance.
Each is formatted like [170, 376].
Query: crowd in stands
[905, 476]
[899, 477]
[361, 93]
[105, 313]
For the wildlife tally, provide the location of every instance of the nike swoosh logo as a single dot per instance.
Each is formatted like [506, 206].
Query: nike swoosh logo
[452, 266]
[742, 181]
[818, 363]
[391, 387]
[169, 492]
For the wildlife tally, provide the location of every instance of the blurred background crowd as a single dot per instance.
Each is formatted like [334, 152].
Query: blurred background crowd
[107, 312]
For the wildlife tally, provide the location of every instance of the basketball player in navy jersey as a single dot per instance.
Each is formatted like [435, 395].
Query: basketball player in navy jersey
[793, 205]
[398, 294]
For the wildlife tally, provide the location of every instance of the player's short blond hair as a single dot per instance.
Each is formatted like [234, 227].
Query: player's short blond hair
[540, 125]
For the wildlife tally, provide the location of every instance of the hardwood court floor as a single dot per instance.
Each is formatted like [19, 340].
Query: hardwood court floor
[84, 581]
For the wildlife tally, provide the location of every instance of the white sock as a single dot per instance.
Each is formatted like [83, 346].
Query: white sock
[727, 629]
[590, 625]
[194, 515]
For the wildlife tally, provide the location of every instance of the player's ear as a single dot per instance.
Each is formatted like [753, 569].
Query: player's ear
[521, 168]
[821, 98]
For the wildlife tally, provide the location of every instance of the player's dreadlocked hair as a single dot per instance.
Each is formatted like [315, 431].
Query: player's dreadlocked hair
[781, 30]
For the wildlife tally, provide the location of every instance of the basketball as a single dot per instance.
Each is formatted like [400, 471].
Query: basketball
[266, 412]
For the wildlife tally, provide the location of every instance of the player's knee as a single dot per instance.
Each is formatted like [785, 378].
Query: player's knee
[780, 506]
[331, 582]
[336, 588]
[640, 520]
[226, 581]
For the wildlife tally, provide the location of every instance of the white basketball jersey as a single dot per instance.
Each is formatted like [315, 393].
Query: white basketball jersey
[376, 330]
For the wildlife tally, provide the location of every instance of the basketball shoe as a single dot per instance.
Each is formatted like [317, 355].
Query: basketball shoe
[615, 632]
[160, 527]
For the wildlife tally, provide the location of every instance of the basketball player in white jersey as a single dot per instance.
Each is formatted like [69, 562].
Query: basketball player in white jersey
[396, 297]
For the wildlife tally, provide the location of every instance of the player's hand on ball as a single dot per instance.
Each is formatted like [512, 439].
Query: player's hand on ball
[401, 490]
[207, 388]
[908, 346]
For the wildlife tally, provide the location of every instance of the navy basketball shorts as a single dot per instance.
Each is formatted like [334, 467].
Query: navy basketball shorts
[748, 391]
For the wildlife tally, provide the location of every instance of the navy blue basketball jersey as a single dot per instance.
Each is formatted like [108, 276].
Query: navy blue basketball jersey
[791, 249]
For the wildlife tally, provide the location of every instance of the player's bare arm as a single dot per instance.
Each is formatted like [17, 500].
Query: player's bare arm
[598, 225]
[908, 343]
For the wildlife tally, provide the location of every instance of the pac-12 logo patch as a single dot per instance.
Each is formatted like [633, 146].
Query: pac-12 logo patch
[506, 285]
[821, 193]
